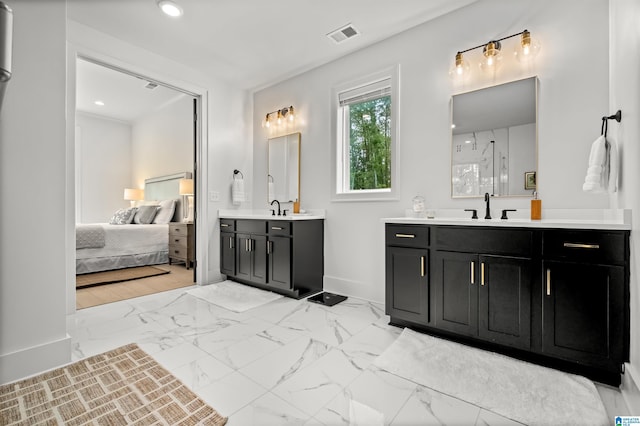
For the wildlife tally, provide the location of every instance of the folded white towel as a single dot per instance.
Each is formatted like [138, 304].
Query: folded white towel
[237, 191]
[597, 172]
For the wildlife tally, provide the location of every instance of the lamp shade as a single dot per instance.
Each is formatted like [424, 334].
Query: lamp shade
[133, 194]
[186, 186]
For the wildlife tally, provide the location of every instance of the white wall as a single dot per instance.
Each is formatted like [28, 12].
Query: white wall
[573, 97]
[32, 183]
[163, 141]
[104, 164]
[625, 95]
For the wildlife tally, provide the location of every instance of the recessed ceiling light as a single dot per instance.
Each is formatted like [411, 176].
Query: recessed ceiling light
[99, 103]
[170, 8]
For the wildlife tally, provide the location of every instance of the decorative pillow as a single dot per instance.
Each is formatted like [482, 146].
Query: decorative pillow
[123, 216]
[145, 214]
[165, 214]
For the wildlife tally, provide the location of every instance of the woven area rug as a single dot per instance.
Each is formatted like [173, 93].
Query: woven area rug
[234, 296]
[120, 387]
[118, 275]
[528, 393]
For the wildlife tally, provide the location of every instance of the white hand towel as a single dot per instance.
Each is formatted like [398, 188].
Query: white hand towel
[596, 178]
[237, 192]
[613, 166]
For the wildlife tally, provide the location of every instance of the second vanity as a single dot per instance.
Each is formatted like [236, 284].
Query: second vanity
[284, 254]
[551, 292]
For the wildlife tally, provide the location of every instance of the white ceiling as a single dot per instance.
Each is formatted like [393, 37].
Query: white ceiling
[255, 43]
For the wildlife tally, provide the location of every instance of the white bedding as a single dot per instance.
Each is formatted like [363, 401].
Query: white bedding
[126, 246]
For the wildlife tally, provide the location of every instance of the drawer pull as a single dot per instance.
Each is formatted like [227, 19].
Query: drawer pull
[231, 242]
[276, 228]
[473, 272]
[405, 236]
[422, 266]
[548, 282]
[224, 225]
[269, 247]
[177, 240]
[481, 273]
[584, 246]
[176, 251]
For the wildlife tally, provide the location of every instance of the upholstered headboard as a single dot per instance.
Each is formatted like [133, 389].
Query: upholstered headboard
[166, 188]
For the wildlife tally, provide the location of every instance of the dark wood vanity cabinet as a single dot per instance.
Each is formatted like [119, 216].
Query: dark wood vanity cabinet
[554, 296]
[282, 256]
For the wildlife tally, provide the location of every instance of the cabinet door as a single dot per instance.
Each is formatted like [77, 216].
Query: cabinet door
[504, 300]
[583, 311]
[243, 256]
[456, 292]
[258, 249]
[227, 253]
[279, 251]
[407, 284]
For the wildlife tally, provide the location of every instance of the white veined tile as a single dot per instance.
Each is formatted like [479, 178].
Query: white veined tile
[314, 386]
[269, 410]
[365, 346]
[202, 372]
[231, 393]
[246, 351]
[179, 356]
[426, 406]
[488, 418]
[282, 364]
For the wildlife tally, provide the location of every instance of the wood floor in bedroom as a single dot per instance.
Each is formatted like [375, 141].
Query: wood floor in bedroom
[109, 293]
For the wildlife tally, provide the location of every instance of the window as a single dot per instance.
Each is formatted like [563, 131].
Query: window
[365, 149]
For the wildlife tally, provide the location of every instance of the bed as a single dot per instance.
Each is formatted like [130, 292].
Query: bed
[109, 246]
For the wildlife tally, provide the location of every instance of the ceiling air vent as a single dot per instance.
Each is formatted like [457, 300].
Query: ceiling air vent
[150, 85]
[342, 34]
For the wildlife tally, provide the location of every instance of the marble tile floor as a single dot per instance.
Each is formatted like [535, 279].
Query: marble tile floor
[287, 362]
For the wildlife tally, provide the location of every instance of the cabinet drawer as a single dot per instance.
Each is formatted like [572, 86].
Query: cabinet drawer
[178, 229]
[251, 226]
[585, 246]
[511, 242]
[178, 252]
[278, 227]
[407, 235]
[178, 240]
[227, 225]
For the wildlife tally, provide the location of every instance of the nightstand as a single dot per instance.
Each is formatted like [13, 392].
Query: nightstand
[181, 243]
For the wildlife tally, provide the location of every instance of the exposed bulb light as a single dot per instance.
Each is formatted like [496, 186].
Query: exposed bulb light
[99, 103]
[460, 67]
[528, 47]
[266, 123]
[291, 114]
[279, 117]
[170, 8]
[492, 56]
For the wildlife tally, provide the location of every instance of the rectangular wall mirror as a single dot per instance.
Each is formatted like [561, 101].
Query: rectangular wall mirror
[284, 168]
[494, 136]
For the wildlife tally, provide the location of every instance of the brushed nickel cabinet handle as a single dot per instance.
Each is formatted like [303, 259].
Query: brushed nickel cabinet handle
[276, 228]
[548, 282]
[473, 272]
[224, 225]
[580, 245]
[405, 236]
[481, 273]
[422, 266]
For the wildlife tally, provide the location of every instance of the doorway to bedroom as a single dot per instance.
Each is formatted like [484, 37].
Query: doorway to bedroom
[135, 200]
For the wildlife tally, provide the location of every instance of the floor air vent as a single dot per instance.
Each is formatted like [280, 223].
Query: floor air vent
[344, 33]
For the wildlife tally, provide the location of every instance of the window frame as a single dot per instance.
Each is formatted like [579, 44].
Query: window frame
[340, 151]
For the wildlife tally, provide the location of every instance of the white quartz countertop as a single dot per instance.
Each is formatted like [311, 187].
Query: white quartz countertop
[591, 219]
[266, 215]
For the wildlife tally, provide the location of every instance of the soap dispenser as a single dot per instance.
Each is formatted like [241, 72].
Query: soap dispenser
[536, 207]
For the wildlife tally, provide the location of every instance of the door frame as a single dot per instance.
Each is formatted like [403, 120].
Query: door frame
[200, 166]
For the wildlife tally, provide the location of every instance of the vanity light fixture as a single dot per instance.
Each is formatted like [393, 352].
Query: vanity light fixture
[278, 117]
[492, 54]
[170, 8]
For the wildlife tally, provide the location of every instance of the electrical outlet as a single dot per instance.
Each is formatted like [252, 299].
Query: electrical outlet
[214, 196]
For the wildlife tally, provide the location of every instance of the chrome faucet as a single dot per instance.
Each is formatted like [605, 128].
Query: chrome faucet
[273, 212]
[487, 214]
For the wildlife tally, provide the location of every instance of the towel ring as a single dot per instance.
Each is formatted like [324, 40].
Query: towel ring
[235, 172]
[605, 122]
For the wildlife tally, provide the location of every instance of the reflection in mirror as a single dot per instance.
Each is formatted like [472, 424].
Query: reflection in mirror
[284, 168]
[494, 139]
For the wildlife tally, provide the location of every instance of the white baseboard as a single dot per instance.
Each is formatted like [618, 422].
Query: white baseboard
[30, 361]
[351, 288]
[630, 388]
